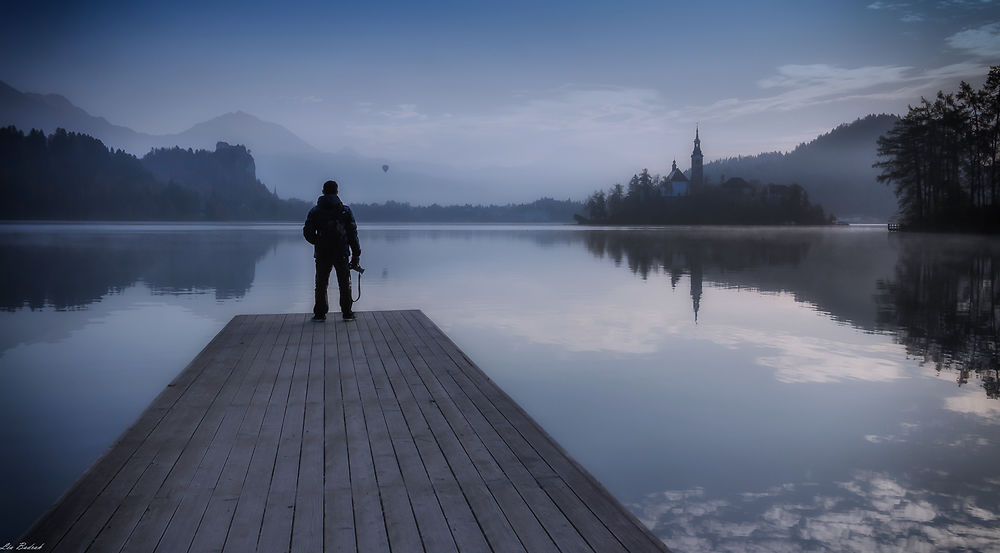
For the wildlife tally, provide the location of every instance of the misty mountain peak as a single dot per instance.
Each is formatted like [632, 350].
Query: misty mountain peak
[240, 127]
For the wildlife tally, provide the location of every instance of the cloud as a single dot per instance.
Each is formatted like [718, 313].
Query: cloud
[887, 5]
[912, 18]
[982, 41]
[948, 4]
[802, 86]
[528, 128]
[823, 75]
[888, 438]
[404, 111]
[593, 128]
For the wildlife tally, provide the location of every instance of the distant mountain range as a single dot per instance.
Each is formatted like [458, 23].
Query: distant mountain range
[285, 162]
[835, 168]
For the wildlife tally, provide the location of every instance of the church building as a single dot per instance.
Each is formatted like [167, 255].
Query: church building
[676, 183]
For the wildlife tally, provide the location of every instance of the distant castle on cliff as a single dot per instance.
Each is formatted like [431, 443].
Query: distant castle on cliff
[676, 183]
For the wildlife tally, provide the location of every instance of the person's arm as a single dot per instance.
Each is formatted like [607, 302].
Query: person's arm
[351, 229]
[309, 228]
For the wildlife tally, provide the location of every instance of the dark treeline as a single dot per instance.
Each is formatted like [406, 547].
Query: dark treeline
[545, 210]
[944, 159]
[646, 201]
[70, 176]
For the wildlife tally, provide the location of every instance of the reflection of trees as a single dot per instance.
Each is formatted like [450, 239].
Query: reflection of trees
[939, 295]
[695, 253]
[945, 303]
[71, 268]
[673, 253]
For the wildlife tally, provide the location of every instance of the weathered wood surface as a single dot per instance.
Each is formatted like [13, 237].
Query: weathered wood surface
[376, 435]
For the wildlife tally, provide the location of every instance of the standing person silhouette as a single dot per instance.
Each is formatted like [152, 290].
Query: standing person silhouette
[331, 229]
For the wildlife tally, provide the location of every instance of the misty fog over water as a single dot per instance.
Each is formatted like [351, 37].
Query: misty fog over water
[774, 389]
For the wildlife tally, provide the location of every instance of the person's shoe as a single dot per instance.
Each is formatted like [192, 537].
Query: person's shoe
[349, 316]
[319, 318]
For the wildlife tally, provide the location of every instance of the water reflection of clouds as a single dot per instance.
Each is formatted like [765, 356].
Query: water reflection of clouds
[973, 402]
[800, 344]
[803, 345]
[577, 314]
[811, 359]
[906, 430]
[612, 332]
[871, 512]
[969, 400]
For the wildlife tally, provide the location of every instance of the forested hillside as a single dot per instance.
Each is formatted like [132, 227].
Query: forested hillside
[73, 176]
[835, 169]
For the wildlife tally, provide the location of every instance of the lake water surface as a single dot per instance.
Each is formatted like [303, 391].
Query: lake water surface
[739, 389]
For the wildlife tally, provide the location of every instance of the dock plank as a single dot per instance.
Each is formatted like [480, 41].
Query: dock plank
[428, 514]
[413, 401]
[596, 498]
[377, 435]
[338, 516]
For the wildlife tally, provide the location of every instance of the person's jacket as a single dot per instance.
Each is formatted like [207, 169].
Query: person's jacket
[331, 229]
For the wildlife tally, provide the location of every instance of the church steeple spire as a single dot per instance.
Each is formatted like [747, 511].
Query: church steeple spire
[697, 176]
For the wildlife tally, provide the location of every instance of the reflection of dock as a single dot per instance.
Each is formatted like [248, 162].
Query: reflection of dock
[375, 435]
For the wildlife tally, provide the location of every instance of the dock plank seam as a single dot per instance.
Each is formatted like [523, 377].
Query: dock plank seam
[454, 505]
[248, 506]
[496, 532]
[433, 528]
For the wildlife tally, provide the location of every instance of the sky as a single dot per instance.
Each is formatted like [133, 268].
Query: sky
[583, 88]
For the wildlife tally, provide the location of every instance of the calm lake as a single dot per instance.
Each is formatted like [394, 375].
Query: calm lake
[738, 389]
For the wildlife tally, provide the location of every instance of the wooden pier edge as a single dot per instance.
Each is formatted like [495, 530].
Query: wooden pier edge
[594, 482]
[378, 434]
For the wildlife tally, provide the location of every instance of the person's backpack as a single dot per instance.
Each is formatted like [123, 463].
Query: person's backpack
[332, 229]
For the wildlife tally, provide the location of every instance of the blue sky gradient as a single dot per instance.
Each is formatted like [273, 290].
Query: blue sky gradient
[593, 88]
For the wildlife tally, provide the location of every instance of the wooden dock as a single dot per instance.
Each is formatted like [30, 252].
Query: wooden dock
[377, 435]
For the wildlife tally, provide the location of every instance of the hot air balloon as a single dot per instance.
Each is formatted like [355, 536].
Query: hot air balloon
[385, 168]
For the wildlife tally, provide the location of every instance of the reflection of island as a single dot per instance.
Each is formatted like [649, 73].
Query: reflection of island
[71, 269]
[938, 296]
[692, 253]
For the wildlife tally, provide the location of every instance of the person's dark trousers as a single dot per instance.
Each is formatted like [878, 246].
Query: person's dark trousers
[343, 270]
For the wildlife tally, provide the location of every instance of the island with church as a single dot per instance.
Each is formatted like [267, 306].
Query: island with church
[687, 199]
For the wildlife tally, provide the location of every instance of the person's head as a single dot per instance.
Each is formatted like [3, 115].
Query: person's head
[330, 187]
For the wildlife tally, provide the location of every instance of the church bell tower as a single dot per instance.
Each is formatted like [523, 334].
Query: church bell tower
[697, 177]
